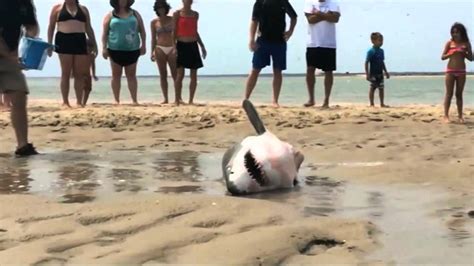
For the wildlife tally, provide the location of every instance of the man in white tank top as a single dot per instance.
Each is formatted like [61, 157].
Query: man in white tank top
[322, 16]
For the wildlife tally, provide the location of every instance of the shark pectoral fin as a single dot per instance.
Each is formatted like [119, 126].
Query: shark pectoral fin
[253, 117]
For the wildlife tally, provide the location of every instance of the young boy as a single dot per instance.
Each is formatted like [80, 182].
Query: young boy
[375, 68]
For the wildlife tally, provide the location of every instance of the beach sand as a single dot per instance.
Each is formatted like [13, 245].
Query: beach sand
[414, 147]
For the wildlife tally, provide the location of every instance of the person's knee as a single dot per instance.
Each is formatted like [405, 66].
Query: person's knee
[459, 95]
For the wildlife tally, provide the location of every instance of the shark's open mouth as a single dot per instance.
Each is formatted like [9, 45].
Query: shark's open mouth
[254, 169]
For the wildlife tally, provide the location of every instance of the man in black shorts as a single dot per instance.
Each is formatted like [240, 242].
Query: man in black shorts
[15, 15]
[322, 16]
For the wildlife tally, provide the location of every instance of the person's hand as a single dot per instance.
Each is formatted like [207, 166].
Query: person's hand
[153, 57]
[253, 46]
[367, 77]
[287, 35]
[105, 53]
[204, 52]
[387, 75]
[95, 51]
[50, 51]
[143, 50]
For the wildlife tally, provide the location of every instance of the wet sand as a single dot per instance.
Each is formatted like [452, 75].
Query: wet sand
[116, 187]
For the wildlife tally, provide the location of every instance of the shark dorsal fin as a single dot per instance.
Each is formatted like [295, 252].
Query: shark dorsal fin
[253, 117]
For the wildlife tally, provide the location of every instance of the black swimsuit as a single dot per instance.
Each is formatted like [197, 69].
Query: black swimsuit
[71, 43]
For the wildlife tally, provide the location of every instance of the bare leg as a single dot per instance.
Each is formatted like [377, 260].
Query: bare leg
[449, 82]
[82, 78]
[310, 82]
[116, 80]
[19, 117]
[179, 85]
[192, 85]
[460, 82]
[131, 73]
[328, 81]
[277, 81]
[172, 63]
[382, 97]
[371, 96]
[67, 62]
[162, 68]
[251, 82]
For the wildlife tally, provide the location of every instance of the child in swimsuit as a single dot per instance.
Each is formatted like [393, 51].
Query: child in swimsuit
[375, 68]
[457, 49]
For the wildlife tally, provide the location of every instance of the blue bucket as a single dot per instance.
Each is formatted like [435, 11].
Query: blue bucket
[33, 53]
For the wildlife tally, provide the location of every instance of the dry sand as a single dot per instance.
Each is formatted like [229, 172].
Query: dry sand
[415, 146]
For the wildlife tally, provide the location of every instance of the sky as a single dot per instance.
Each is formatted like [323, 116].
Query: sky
[415, 32]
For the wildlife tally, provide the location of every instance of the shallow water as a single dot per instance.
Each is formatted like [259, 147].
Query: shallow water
[418, 224]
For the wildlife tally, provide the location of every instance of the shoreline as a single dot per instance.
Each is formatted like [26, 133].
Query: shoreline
[302, 75]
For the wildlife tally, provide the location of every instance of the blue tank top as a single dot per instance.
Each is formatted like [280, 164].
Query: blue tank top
[123, 33]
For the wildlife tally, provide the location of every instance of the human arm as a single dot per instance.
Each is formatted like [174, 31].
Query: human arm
[314, 18]
[90, 31]
[469, 55]
[141, 29]
[332, 16]
[203, 48]
[293, 16]
[105, 35]
[366, 67]
[445, 55]
[387, 75]
[52, 26]
[252, 33]
[175, 27]
[153, 39]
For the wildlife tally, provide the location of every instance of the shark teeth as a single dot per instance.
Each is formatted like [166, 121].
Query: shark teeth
[254, 169]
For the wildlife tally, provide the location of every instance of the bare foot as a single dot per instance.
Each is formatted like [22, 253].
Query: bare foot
[446, 119]
[309, 104]
[276, 105]
[461, 120]
[66, 105]
[164, 102]
[135, 104]
[384, 106]
[325, 106]
[371, 106]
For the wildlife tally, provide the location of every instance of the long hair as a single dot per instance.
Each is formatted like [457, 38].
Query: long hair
[462, 31]
[115, 4]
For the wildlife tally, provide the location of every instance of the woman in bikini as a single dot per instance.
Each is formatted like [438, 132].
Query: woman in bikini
[457, 49]
[163, 51]
[73, 25]
[123, 42]
[187, 41]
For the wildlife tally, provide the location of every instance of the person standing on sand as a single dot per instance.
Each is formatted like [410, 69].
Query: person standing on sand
[375, 68]
[73, 29]
[322, 16]
[187, 40]
[163, 50]
[457, 49]
[124, 41]
[268, 16]
[15, 15]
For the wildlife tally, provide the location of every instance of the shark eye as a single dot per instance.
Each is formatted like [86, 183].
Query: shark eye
[254, 168]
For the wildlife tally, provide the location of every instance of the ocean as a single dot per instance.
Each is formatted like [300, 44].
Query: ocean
[400, 90]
